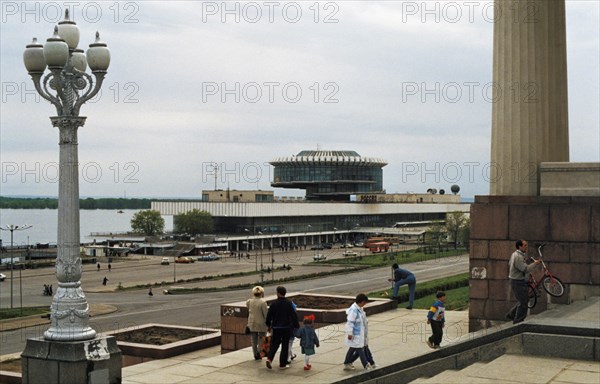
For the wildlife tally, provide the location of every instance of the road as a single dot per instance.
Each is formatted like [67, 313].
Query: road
[135, 307]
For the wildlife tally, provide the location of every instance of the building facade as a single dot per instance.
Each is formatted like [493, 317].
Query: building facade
[297, 219]
[329, 175]
[235, 196]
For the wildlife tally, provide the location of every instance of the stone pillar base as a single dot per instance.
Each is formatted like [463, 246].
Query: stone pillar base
[91, 361]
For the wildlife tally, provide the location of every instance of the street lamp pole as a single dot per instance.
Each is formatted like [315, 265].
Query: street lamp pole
[13, 228]
[272, 259]
[248, 248]
[262, 272]
[67, 86]
[262, 269]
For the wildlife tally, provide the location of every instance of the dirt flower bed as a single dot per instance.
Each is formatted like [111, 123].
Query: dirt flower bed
[320, 302]
[159, 335]
[11, 365]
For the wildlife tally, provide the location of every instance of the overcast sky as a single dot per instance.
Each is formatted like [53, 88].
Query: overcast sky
[192, 84]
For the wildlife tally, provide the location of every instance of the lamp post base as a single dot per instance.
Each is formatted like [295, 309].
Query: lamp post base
[92, 361]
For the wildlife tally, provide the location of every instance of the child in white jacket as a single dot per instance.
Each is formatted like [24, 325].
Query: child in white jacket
[356, 333]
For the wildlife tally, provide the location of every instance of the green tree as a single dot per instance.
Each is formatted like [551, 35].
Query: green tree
[149, 223]
[455, 224]
[465, 233]
[193, 222]
[435, 234]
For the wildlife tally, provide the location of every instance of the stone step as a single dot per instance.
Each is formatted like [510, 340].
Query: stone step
[521, 368]
[450, 376]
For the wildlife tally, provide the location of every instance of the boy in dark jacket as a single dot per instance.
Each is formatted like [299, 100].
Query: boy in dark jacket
[281, 320]
[436, 318]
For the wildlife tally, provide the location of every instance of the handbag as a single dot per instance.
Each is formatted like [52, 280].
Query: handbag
[247, 330]
[265, 345]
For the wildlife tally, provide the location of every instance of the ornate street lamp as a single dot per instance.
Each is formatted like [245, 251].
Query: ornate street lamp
[13, 228]
[67, 86]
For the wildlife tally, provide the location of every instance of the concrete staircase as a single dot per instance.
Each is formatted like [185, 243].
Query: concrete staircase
[560, 346]
[531, 369]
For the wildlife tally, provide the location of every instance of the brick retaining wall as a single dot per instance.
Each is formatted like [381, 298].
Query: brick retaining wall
[569, 225]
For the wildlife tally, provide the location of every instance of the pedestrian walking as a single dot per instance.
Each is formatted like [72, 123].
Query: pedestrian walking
[517, 274]
[257, 316]
[436, 318]
[291, 355]
[308, 340]
[357, 330]
[150, 292]
[281, 320]
[104, 281]
[98, 266]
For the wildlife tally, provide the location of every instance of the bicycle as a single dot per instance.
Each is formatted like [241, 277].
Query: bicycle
[551, 284]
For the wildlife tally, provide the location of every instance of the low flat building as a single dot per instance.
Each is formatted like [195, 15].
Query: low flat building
[408, 198]
[245, 196]
[310, 222]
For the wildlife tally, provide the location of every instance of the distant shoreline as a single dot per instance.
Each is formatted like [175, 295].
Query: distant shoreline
[87, 203]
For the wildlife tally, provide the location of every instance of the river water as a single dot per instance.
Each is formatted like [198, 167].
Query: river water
[44, 224]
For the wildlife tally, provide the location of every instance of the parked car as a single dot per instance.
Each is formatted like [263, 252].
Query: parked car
[318, 247]
[319, 257]
[184, 260]
[211, 257]
[347, 245]
[327, 245]
[359, 244]
[164, 261]
[2, 277]
[350, 254]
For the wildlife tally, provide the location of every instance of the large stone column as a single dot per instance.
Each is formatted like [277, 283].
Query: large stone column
[69, 307]
[529, 112]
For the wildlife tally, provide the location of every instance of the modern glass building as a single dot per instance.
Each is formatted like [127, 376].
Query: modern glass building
[329, 175]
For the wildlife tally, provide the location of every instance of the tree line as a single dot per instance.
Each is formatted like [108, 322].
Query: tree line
[88, 203]
[151, 223]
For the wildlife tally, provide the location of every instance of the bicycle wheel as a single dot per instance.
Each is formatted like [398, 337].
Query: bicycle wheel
[532, 297]
[553, 286]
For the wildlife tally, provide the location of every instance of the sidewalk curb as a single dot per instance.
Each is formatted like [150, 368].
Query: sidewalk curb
[37, 320]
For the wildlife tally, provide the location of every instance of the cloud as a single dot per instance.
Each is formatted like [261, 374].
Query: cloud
[185, 89]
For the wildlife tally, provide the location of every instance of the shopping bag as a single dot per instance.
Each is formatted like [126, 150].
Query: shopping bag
[265, 345]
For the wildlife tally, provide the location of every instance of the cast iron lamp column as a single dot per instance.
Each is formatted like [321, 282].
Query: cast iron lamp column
[67, 86]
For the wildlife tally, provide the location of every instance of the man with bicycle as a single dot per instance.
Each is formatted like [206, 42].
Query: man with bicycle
[518, 272]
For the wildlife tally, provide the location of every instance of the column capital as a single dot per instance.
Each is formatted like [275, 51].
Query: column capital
[67, 127]
[68, 121]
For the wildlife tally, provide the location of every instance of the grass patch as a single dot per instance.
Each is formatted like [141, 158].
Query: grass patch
[457, 299]
[400, 257]
[120, 287]
[179, 291]
[456, 288]
[11, 313]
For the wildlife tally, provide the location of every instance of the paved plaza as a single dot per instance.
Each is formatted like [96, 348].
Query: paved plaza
[394, 336]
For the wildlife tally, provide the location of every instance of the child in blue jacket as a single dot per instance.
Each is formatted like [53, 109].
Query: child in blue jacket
[436, 318]
[308, 340]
